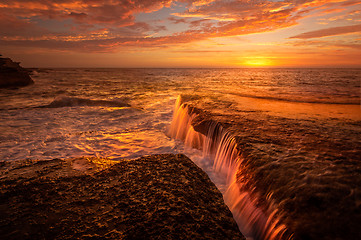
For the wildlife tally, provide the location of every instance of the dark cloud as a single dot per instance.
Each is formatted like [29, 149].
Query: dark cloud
[11, 26]
[177, 20]
[78, 16]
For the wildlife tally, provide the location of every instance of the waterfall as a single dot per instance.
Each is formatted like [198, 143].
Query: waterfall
[220, 146]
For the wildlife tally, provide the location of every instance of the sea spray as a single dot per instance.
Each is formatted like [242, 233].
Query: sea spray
[220, 146]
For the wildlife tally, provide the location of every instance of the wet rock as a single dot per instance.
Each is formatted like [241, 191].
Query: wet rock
[12, 74]
[154, 197]
[309, 169]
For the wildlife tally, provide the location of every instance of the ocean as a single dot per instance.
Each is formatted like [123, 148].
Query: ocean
[127, 113]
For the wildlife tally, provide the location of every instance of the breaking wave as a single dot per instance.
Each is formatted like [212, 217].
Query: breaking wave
[75, 102]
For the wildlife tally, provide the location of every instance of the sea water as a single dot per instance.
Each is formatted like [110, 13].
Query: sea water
[126, 113]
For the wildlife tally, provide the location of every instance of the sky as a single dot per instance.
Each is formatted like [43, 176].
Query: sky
[166, 33]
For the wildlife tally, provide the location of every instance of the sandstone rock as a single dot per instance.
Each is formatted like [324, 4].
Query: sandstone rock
[153, 197]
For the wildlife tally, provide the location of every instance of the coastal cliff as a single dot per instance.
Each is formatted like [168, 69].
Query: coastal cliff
[12, 74]
[154, 197]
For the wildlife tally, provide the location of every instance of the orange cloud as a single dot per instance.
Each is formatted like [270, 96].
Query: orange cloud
[105, 26]
[329, 32]
[113, 12]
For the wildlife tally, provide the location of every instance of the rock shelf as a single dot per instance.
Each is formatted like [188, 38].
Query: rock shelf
[309, 169]
[153, 197]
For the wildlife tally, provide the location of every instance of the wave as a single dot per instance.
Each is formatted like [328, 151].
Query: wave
[75, 102]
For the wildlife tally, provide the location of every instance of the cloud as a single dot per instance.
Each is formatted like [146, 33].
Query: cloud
[202, 51]
[350, 3]
[356, 46]
[351, 17]
[11, 26]
[108, 25]
[177, 20]
[334, 45]
[106, 12]
[329, 32]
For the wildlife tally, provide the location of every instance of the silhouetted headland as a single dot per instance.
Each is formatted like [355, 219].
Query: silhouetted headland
[12, 74]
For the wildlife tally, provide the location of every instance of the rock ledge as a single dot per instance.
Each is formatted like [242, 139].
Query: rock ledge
[154, 197]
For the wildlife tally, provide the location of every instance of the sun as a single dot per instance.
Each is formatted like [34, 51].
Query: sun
[257, 62]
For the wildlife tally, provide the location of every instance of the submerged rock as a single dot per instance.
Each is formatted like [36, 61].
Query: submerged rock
[12, 74]
[154, 197]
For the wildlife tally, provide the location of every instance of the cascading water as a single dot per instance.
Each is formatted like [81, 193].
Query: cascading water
[220, 147]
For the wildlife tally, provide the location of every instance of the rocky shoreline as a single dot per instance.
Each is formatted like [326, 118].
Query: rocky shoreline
[154, 197]
[12, 74]
[310, 169]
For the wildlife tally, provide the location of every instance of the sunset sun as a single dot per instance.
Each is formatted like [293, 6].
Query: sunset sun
[257, 62]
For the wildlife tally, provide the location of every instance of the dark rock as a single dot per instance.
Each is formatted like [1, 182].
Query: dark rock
[154, 197]
[12, 74]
